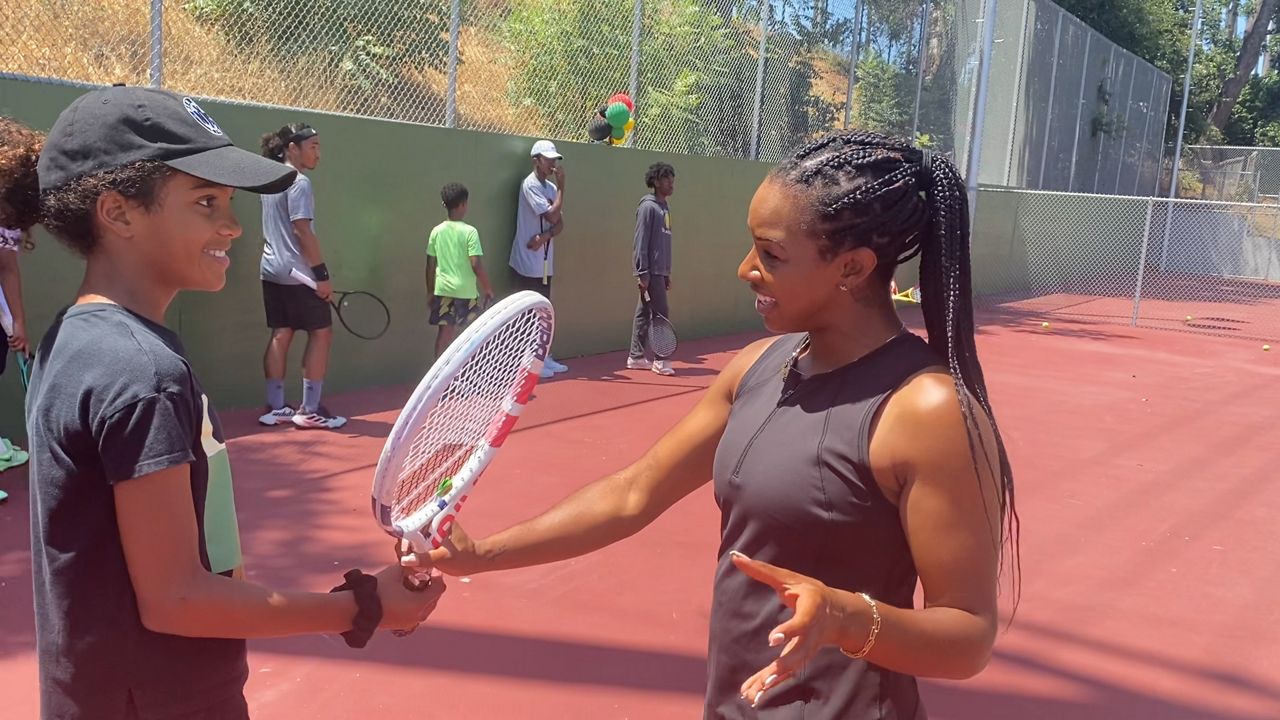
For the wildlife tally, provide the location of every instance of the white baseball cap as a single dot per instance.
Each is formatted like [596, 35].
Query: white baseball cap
[546, 149]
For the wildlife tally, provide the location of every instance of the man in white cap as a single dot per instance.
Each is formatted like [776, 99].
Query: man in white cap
[538, 222]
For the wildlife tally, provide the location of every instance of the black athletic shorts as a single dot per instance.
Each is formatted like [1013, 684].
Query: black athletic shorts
[296, 307]
[524, 282]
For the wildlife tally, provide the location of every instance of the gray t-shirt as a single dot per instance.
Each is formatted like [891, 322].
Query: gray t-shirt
[535, 199]
[281, 251]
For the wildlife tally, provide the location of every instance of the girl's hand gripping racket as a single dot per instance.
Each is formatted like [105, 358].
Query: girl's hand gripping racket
[456, 420]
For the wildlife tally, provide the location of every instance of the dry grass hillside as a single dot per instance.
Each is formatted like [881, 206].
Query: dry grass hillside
[108, 41]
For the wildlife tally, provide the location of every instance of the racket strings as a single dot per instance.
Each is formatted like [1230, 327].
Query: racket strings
[463, 419]
[363, 314]
[662, 337]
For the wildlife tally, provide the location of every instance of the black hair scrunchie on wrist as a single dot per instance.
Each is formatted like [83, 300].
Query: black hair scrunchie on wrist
[368, 607]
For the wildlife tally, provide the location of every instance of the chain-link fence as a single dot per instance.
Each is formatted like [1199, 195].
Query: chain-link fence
[1181, 264]
[735, 78]
[1225, 173]
[1069, 109]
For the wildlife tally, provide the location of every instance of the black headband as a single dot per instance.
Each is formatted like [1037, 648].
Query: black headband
[301, 135]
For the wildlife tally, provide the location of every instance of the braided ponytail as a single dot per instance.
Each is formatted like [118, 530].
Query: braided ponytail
[869, 190]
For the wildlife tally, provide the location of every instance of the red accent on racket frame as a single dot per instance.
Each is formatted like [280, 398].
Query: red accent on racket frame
[501, 428]
[447, 522]
[525, 390]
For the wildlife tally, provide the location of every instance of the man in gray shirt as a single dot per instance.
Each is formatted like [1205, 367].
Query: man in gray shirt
[538, 222]
[291, 246]
[652, 269]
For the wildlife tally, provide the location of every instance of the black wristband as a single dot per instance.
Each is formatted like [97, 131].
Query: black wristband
[320, 272]
[368, 607]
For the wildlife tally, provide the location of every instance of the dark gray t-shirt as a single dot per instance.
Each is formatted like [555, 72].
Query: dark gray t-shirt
[112, 398]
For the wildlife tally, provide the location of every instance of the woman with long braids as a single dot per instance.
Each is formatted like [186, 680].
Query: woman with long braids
[850, 458]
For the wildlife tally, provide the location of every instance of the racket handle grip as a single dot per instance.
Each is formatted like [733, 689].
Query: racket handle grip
[416, 583]
[303, 278]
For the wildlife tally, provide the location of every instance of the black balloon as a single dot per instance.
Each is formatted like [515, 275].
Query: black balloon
[599, 130]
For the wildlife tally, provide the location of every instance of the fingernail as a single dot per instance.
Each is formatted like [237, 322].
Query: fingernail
[757, 700]
[776, 639]
[768, 682]
[735, 553]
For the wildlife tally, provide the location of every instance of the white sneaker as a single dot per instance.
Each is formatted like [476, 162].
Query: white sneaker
[320, 420]
[280, 416]
[557, 367]
[663, 367]
[638, 363]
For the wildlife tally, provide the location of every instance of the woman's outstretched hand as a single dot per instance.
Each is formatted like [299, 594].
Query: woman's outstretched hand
[817, 622]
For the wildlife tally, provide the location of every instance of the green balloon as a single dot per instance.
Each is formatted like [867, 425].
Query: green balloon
[618, 133]
[617, 115]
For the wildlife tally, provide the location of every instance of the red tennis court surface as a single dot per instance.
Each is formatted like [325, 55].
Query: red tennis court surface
[1212, 304]
[1146, 469]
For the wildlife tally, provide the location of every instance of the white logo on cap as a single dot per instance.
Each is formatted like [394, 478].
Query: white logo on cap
[205, 119]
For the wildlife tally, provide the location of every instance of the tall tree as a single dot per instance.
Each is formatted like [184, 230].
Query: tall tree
[1250, 50]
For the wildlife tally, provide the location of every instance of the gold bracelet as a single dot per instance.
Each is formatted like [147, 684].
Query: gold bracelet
[875, 629]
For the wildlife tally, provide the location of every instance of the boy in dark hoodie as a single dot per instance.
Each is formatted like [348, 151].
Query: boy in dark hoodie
[652, 259]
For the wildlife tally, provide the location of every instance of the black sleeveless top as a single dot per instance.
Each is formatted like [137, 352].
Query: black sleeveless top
[795, 489]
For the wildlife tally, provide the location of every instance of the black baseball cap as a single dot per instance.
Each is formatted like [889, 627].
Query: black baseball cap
[113, 127]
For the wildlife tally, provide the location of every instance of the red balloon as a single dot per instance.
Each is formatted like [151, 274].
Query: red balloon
[625, 100]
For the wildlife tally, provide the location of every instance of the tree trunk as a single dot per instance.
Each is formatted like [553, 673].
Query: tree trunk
[1233, 18]
[1254, 36]
[820, 17]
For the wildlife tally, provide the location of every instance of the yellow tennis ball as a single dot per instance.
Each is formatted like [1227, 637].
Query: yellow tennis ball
[1188, 318]
[1044, 324]
[1265, 348]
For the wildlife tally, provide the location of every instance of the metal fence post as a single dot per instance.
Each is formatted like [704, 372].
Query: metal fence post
[973, 162]
[1182, 120]
[1048, 113]
[451, 95]
[1075, 142]
[923, 54]
[156, 64]
[1271, 247]
[637, 26]
[1142, 263]
[854, 51]
[755, 112]
[1017, 93]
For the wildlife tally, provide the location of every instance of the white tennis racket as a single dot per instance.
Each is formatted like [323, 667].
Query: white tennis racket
[662, 334]
[458, 417]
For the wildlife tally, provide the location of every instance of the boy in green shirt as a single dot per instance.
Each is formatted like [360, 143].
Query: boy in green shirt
[454, 266]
